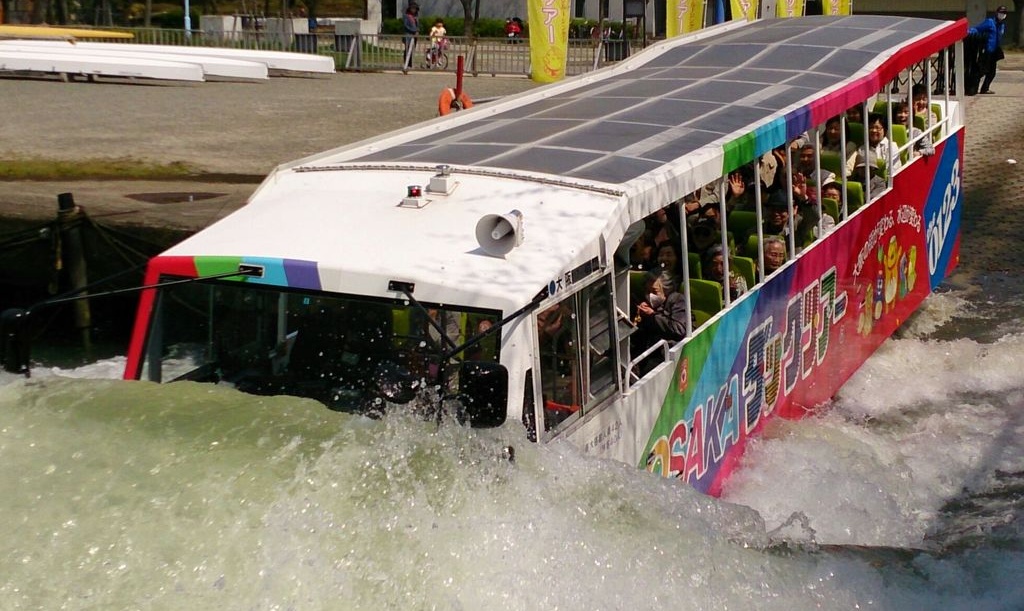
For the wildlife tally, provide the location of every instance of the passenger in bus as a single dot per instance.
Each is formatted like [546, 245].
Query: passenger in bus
[919, 95]
[642, 253]
[774, 254]
[832, 143]
[705, 231]
[772, 169]
[833, 191]
[880, 153]
[804, 206]
[901, 115]
[661, 228]
[805, 165]
[658, 315]
[487, 348]
[714, 269]
[670, 266]
[776, 218]
[855, 114]
[691, 203]
[738, 194]
[449, 321]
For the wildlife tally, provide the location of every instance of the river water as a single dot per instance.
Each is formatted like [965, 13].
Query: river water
[904, 493]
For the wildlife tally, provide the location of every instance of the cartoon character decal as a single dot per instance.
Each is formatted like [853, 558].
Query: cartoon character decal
[891, 272]
[911, 268]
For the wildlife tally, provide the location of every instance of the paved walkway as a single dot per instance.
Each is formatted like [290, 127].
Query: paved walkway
[229, 128]
[992, 251]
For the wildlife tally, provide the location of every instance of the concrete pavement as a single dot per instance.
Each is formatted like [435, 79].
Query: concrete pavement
[218, 128]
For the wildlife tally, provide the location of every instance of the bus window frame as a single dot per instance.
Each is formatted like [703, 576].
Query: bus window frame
[579, 302]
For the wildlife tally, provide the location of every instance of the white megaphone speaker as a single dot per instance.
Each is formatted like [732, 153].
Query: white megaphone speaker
[498, 234]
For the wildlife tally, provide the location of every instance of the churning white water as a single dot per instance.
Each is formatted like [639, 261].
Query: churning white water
[900, 495]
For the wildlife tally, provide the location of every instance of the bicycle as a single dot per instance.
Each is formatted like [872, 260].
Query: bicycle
[435, 56]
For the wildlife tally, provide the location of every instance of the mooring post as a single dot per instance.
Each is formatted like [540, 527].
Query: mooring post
[69, 217]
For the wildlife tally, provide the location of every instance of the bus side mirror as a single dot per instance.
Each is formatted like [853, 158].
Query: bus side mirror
[483, 391]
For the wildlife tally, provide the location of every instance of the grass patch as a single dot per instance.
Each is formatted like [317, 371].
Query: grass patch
[92, 169]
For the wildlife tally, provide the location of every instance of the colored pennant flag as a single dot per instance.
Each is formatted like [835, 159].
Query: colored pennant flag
[549, 39]
[744, 9]
[688, 17]
[789, 8]
[836, 7]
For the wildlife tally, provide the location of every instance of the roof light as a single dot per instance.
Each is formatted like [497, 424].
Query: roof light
[414, 197]
[443, 183]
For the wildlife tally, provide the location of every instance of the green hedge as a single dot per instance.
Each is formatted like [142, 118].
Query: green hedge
[455, 26]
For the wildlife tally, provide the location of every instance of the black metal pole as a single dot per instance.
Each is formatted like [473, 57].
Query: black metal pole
[73, 258]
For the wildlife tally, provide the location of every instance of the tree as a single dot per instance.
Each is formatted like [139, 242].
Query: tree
[470, 16]
[39, 10]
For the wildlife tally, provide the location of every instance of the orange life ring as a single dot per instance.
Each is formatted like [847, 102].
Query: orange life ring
[448, 102]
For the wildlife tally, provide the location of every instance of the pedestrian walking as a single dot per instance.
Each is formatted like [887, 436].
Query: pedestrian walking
[411, 27]
[992, 30]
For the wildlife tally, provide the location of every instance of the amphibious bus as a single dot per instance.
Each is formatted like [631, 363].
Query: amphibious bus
[485, 262]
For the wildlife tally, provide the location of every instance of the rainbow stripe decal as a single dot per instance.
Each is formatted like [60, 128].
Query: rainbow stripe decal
[778, 131]
[293, 273]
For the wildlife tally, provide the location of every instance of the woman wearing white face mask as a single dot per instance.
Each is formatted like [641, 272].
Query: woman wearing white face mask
[992, 30]
[657, 316]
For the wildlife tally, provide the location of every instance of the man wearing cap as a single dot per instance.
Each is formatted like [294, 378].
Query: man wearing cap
[992, 30]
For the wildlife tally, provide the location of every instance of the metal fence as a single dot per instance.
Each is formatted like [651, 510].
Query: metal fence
[373, 53]
[482, 56]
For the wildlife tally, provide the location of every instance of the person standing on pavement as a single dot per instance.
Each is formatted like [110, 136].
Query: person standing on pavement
[411, 27]
[992, 30]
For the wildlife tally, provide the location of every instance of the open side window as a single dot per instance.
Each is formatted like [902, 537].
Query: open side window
[577, 356]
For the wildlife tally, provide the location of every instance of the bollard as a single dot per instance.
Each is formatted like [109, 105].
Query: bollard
[73, 257]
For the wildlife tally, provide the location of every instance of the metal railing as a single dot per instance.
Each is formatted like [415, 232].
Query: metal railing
[372, 53]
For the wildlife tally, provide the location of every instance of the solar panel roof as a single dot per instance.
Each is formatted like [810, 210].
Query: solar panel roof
[618, 127]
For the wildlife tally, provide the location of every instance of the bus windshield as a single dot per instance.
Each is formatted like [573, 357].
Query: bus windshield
[350, 353]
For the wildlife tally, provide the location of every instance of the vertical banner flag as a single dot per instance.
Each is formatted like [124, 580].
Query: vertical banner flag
[687, 16]
[744, 9]
[836, 7]
[549, 39]
[789, 8]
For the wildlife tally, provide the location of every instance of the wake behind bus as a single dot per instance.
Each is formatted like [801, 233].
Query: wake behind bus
[488, 259]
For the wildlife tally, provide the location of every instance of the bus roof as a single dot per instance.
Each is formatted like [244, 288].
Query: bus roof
[697, 105]
[580, 160]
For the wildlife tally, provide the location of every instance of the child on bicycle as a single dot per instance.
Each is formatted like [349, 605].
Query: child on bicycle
[437, 35]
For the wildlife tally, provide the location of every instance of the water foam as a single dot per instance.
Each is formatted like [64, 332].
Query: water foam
[195, 496]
